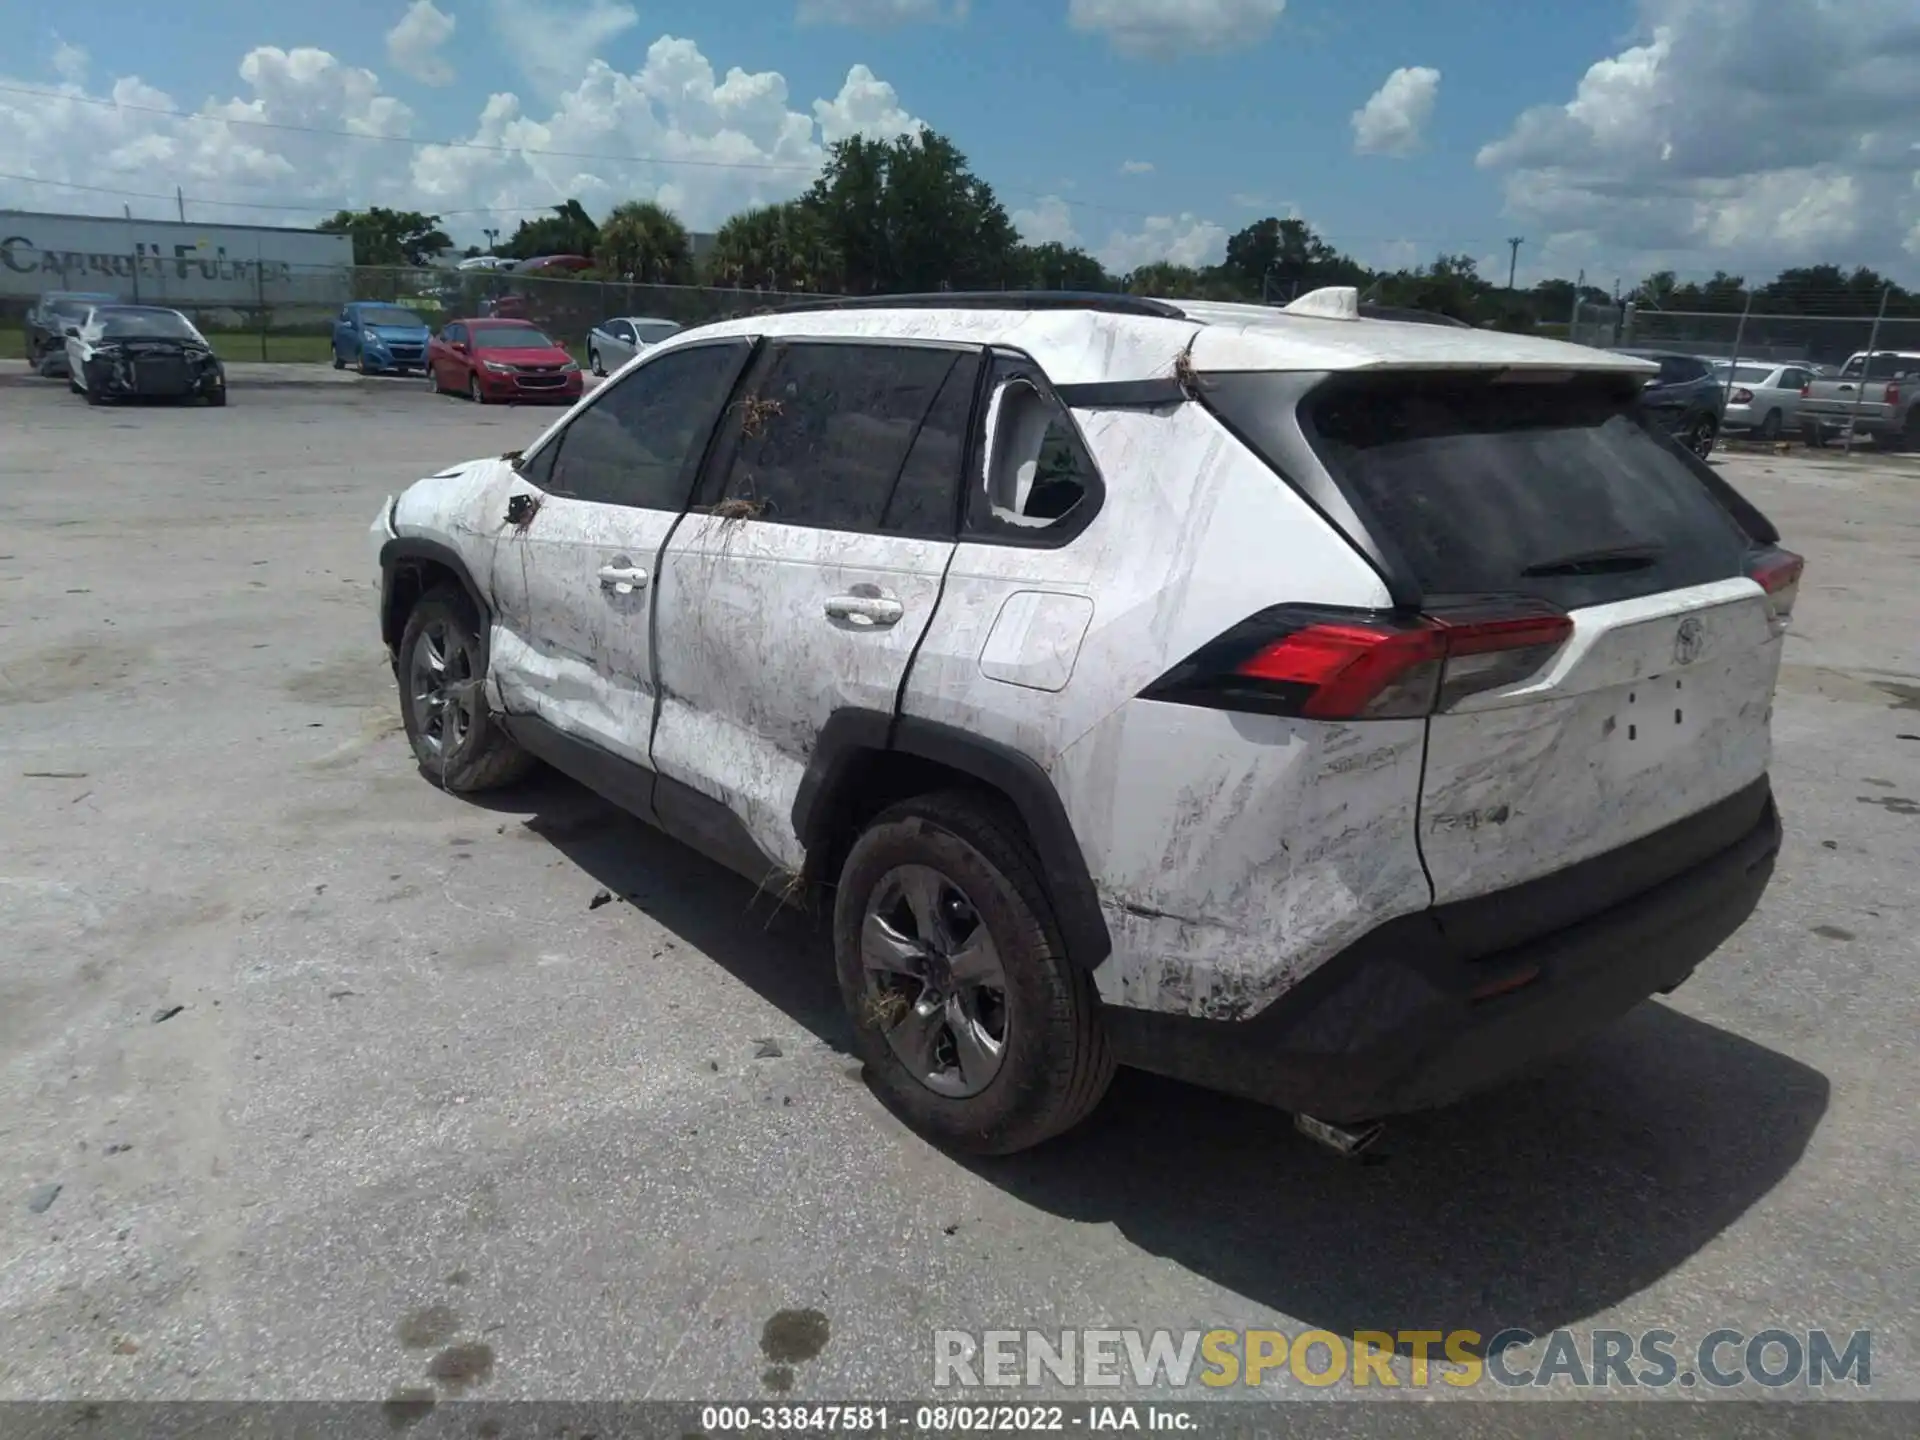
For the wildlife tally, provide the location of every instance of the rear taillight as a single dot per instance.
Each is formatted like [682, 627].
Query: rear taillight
[1743, 396]
[1893, 394]
[1778, 573]
[1806, 390]
[1328, 664]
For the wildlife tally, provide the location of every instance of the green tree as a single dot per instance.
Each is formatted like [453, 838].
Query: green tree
[1053, 266]
[569, 230]
[908, 215]
[773, 247]
[645, 242]
[389, 237]
[1278, 259]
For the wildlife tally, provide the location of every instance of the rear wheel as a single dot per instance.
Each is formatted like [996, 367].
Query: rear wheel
[1701, 434]
[593, 361]
[1770, 427]
[338, 363]
[442, 670]
[975, 1025]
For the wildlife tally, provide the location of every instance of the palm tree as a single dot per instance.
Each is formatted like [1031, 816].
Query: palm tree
[644, 242]
[774, 247]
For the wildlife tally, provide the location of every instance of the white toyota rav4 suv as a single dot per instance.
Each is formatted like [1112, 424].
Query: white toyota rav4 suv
[1338, 711]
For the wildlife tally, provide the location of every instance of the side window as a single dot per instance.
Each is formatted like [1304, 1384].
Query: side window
[640, 440]
[1032, 481]
[821, 431]
[346, 316]
[454, 334]
[926, 497]
[621, 330]
[1793, 379]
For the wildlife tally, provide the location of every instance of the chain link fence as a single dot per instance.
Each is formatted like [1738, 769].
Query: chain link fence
[286, 312]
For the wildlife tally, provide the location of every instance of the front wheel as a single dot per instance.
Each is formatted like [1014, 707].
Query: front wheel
[474, 393]
[442, 670]
[975, 1025]
[1700, 436]
[433, 381]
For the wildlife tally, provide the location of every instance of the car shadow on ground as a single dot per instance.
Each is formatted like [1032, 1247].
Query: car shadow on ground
[1550, 1200]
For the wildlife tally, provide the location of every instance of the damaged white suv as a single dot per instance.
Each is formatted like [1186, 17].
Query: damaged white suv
[1338, 711]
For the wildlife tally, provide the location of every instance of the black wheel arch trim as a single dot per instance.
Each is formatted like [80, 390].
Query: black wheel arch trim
[849, 733]
[403, 548]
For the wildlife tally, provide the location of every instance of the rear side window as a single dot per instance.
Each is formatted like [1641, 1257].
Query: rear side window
[821, 432]
[1032, 481]
[1884, 366]
[1555, 490]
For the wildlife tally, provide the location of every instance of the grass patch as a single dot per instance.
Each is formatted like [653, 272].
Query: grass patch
[231, 345]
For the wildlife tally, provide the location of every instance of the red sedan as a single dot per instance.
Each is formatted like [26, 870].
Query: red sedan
[496, 360]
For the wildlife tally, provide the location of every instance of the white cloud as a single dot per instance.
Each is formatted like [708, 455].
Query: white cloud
[70, 63]
[554, 40]
[1136, 167]
[413, 45]
[1147, 28]
[1183, 240]
[877, 14]
[741, 139]
[1391, 121]
[1733, 133]
[1050, 220]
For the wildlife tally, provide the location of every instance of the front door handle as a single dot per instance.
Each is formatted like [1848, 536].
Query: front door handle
[622, 577]
[872, 610]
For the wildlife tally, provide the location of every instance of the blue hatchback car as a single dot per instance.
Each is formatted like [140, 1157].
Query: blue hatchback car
[375, 335]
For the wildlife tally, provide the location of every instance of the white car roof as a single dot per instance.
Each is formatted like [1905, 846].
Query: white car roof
[1090, 344]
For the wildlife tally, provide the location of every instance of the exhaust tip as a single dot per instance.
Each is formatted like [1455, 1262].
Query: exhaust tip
[1346, 1142]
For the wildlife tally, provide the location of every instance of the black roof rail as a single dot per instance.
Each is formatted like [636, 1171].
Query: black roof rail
[994, 300]
[1370, 311]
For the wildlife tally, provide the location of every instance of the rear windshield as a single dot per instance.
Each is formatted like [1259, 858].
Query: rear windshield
[1552, 489]
[510, 337]
[652, 332]
[1746, 374]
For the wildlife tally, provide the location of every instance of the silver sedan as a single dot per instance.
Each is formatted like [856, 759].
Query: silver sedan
[1762, 398]
[612, 343]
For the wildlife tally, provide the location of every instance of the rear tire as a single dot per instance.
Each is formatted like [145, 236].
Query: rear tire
[433, 381]
[1770, 427]
[1701, 434]
[338, 363]
[1049, 1064]
[442, 670]
[593, 361]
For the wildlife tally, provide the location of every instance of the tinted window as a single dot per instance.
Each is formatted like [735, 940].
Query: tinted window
[925, 497]
[821, 431]
[1678, 369]
[639, 442]
[652, 332]
[510, 337]
[1747, 374]
[454, 334]
[620, 330]
[1033, 482]
[1550, 490]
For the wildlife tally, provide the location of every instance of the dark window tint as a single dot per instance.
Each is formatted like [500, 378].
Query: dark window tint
[925, 497]
[1032, 481]
[454, 334]
[1549, 490]
[1678, 369]
[640, 440]
[820, 431]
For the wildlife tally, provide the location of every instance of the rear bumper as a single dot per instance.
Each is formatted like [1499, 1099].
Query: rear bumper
[1435, 1006]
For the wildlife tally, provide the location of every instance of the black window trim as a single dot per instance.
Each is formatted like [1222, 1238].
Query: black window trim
[547, 447]
[712, 478]
[1071, 526]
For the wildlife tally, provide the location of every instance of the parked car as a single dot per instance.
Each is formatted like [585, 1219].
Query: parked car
[1339, 712]
[124, 352]
[554, 265]
[1762, 398]
[47, 322]
[493, 360]
[1685, 397]
[612, 343]
[1869, 396]
[378, 336]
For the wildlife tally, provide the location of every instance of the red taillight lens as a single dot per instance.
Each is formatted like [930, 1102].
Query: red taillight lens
[1743, 397]
[1778, 573]
[1358, 665]
[1893, 394]
[1806, 390]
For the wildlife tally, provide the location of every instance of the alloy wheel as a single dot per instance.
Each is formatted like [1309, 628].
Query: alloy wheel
[935, 984]
[441, 688]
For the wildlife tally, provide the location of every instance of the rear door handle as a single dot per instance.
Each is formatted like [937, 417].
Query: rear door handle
[874, 611]
[622, 577]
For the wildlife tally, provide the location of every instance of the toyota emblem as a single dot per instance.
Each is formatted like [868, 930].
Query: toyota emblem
[1688, 641]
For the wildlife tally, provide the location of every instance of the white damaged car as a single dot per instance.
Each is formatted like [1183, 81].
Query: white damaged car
[1339, 711]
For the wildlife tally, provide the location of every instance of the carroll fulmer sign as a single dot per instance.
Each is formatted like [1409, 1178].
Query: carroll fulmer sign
[166, 261]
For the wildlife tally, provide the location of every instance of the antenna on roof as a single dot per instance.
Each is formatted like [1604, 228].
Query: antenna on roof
[1329, 302]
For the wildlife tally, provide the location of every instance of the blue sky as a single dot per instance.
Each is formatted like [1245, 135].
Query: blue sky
[1130, 126]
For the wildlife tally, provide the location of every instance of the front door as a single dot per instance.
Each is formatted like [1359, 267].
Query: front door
[580, 545]
[803, 580]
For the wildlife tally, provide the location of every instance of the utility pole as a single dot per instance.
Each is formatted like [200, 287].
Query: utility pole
[180, 201]
[1513, 260]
